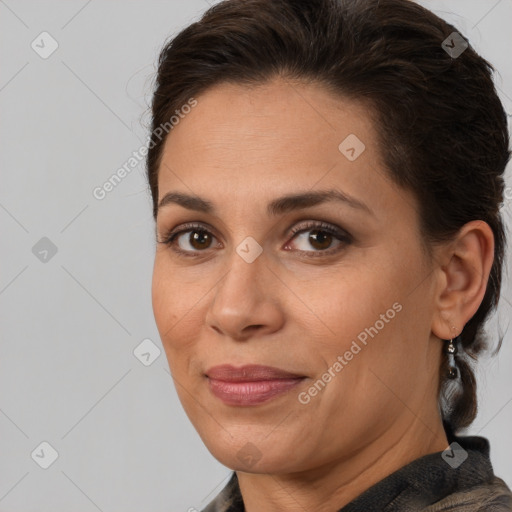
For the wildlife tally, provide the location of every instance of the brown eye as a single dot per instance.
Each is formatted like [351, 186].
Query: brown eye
[197, 239]
[190, 240]
[312, 239]
[320, 239]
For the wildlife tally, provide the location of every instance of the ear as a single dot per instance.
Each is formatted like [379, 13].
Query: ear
[465, 264]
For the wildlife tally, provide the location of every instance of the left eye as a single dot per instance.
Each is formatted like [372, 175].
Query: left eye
[317, 238]
[321, 237]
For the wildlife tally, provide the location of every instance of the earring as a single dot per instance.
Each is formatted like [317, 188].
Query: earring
[451, 350]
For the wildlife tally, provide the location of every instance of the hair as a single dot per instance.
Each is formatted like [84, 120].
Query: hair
[442, 130]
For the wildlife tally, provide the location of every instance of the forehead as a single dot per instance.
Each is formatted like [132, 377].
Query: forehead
[239, 141]
[275, 110]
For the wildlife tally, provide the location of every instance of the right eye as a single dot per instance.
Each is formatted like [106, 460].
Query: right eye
[189, 239]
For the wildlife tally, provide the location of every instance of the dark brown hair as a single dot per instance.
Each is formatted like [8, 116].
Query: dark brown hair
[442, 129]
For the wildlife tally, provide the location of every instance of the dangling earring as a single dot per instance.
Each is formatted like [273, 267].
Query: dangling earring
[451, 350]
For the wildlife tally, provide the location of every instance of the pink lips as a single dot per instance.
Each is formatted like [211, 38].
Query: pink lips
[251, 384]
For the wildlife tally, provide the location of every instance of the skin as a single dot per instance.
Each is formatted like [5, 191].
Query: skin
[240, 148]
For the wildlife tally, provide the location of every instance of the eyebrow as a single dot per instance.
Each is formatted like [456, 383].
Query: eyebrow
[278, 206]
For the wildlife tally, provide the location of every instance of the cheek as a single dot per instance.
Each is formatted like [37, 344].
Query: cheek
[179, 300]
[364, 311]
[172, 302]
[348, 300]
[163, 300]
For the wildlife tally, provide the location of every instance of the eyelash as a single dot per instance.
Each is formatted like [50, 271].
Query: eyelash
[339, 234]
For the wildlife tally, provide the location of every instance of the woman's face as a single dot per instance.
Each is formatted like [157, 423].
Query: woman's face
[336, 291]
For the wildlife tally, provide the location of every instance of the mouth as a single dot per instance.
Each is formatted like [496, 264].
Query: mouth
[250, 384]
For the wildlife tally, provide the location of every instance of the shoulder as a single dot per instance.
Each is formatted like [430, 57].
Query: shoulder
[494, 496]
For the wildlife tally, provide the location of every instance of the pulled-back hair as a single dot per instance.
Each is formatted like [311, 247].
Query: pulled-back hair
[442, 130]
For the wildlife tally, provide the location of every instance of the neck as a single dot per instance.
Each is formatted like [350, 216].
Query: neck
[334, 485]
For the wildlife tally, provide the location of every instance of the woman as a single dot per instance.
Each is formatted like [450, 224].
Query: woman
[326, 179]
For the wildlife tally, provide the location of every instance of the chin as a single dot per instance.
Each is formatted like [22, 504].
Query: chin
[249, 460]
[246, 453]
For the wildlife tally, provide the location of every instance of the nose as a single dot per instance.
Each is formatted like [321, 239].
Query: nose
[246, 302]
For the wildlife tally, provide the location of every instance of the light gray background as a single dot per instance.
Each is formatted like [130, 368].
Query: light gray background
[69, 325]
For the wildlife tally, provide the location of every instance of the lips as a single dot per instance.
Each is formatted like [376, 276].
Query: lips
[249, 373]
[250, 384]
